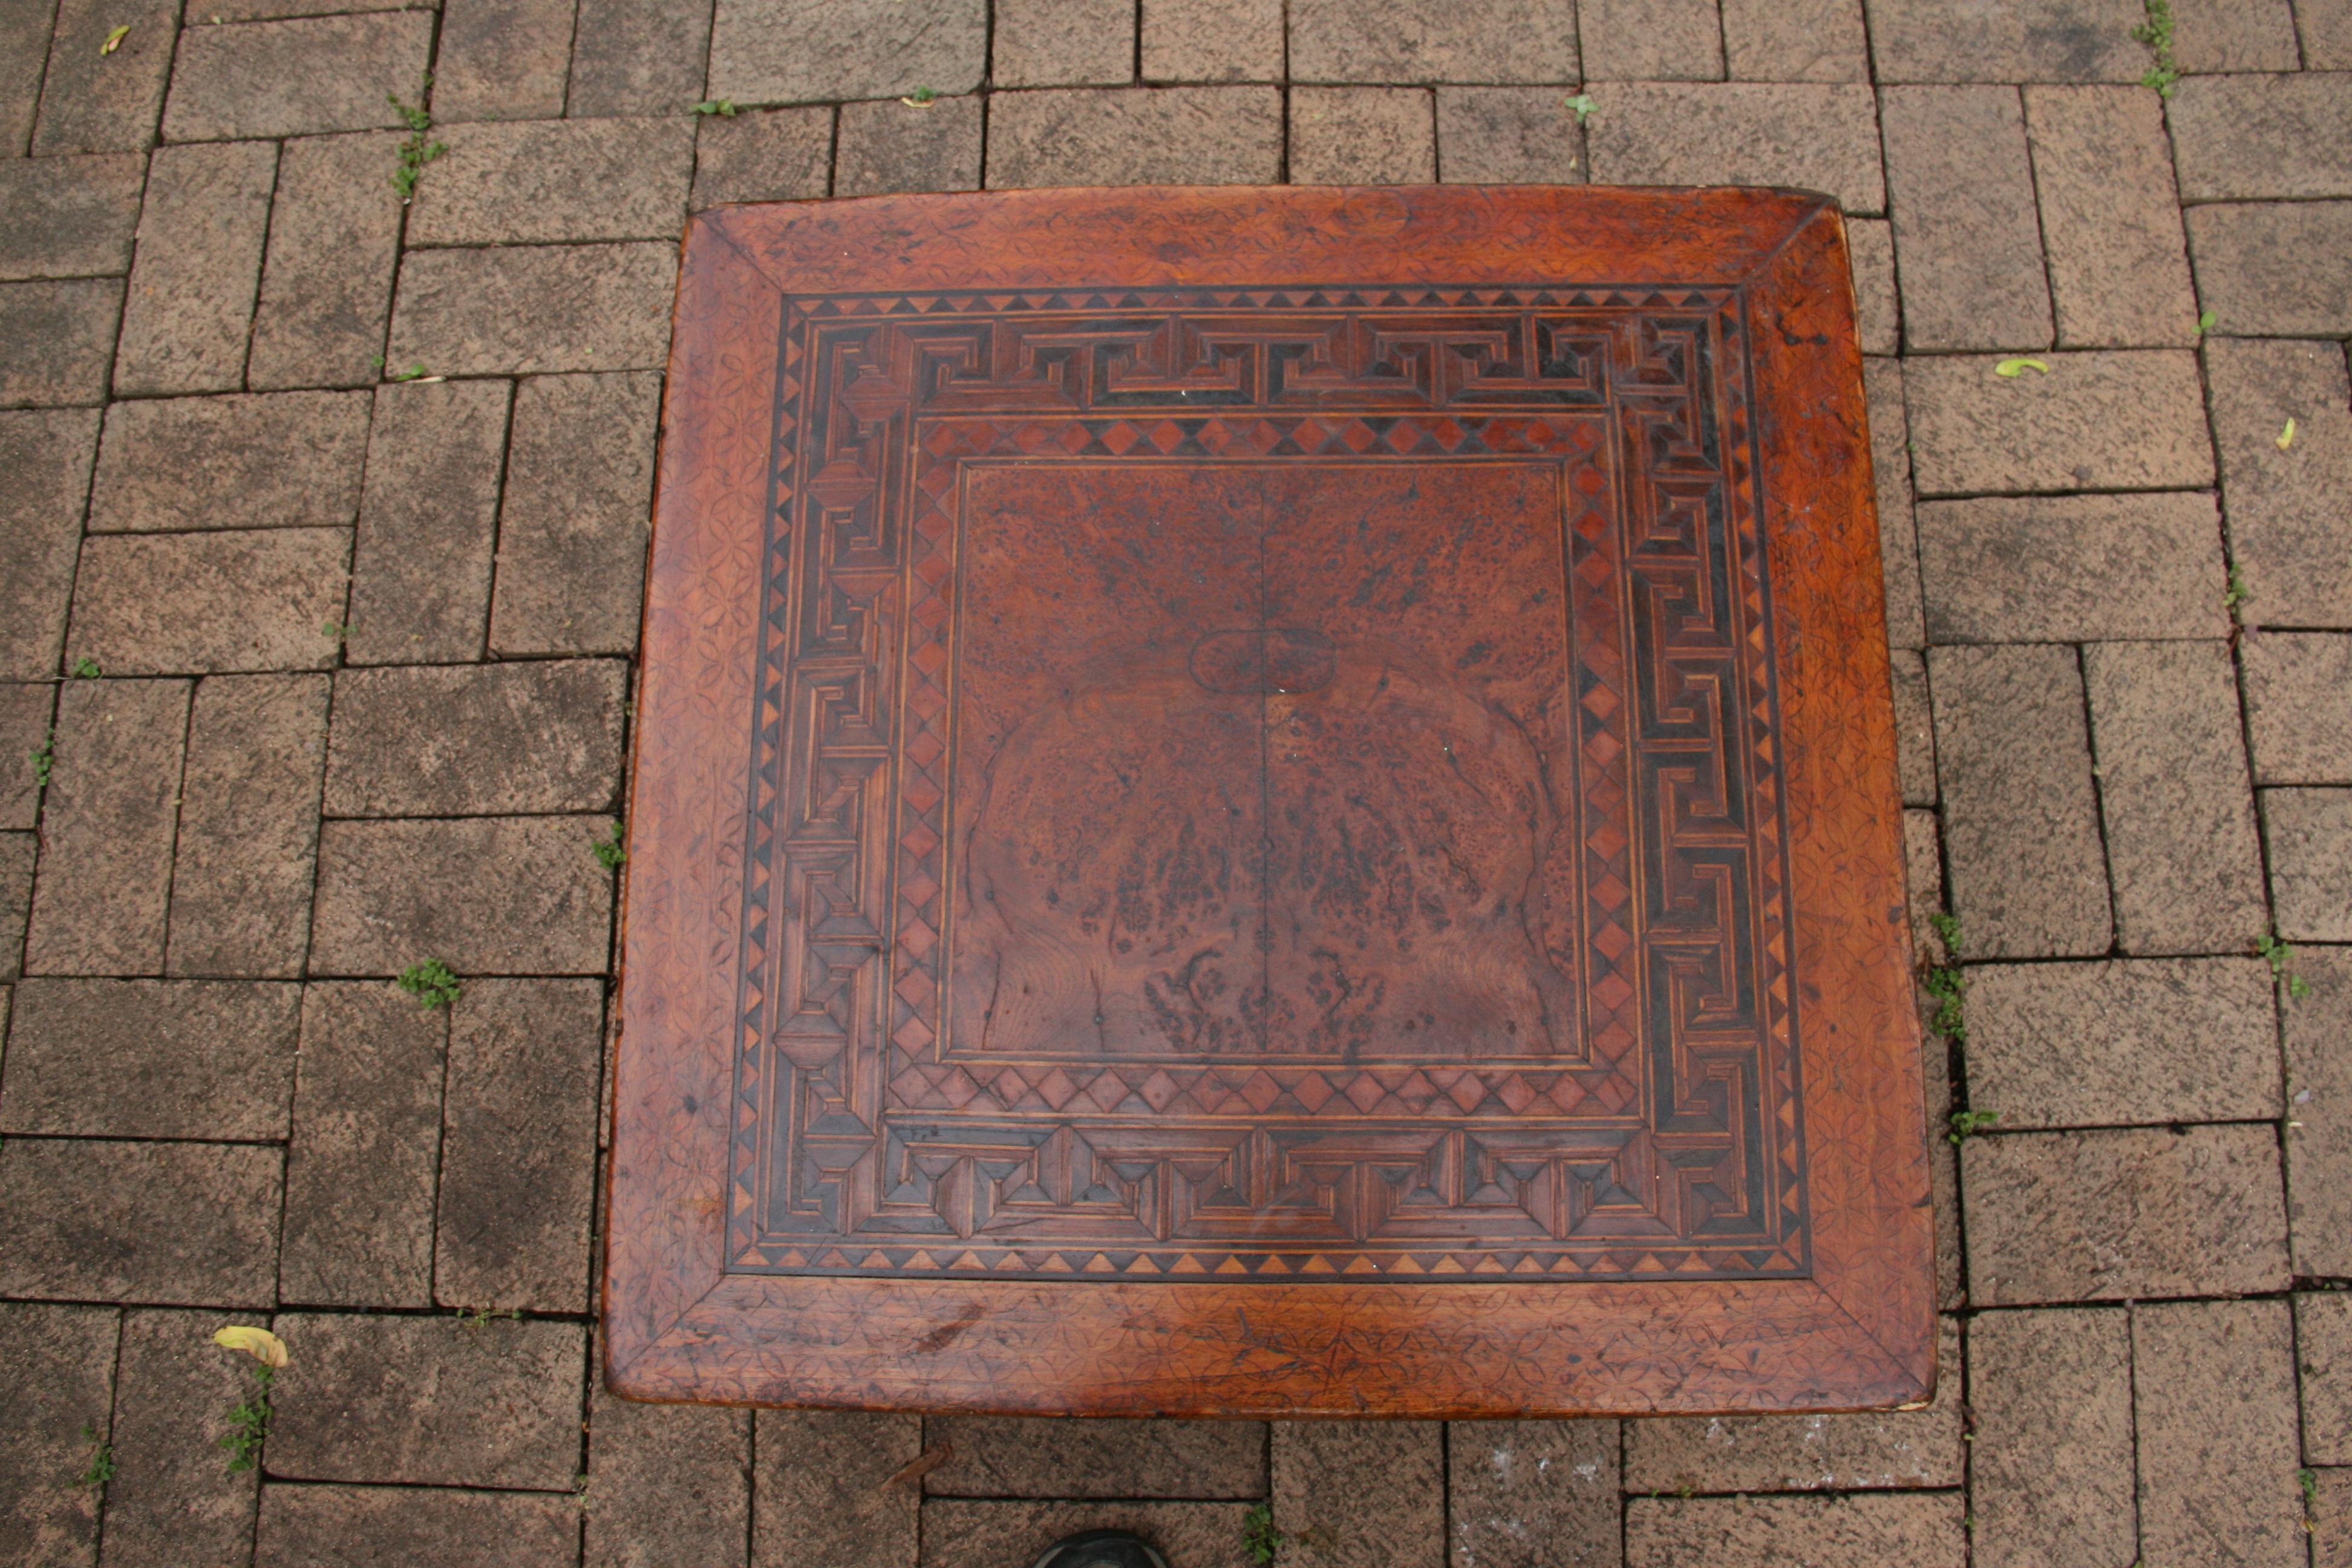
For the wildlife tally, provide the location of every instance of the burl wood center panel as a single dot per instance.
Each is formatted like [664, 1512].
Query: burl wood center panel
[1268, 802]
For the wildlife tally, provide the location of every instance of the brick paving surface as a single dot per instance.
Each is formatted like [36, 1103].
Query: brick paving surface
[365, 649]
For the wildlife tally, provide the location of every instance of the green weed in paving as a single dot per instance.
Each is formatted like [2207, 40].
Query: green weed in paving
[431, 983]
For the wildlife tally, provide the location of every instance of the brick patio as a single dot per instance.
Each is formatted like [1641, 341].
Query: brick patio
[366, 659]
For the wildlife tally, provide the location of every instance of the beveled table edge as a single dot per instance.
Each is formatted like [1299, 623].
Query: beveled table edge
[1860, 1334]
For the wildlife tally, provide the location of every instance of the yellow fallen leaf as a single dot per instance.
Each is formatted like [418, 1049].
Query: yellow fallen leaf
[259, 1343]
[2011, 369]
[114, 39]
[2287, 436]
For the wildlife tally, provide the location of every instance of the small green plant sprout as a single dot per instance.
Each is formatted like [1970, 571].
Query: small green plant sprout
[114, 39]
[1966, 1124]
[2206, 322]
[921, 98]
[611, 852]
[479, 1316]
[725, 105]
[337, 630]
[86, 669]
[2011, 369]
[1946, 982]
[431, 983]
[1949, 988]
[2309, 1480]
[1261, 1537]
[2281, 958]
[99, 1469]
[2287, 436]
[45, 757]
[418, 150]
[1947, 931]
[413, 372]
[2157, 34]
[248, 1420]
[2237, 593]
[1582, 106]
[248, 1426]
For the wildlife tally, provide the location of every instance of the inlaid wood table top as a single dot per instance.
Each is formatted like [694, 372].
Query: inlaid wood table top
[1268, 802]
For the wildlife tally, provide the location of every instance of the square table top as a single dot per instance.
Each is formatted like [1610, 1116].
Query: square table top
[1268, 802]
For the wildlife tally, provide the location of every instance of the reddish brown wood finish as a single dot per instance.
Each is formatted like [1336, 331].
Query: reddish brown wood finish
[1268, 802]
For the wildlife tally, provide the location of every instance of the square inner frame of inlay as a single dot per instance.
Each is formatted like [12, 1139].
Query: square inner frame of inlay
[1294, 846]
[1266, 762]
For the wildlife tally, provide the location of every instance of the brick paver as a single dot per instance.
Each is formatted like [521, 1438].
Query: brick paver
[572, 529]
[365, 656]
[1509, 136]
[286, 460]
[2319, 1116]
[777, 155]
[92, 102]
[2174, 796]
[363, 1163]
[494, 895]
[896, 145]
[348, 1527]
[194, 604]
[1030, 1456]
[69, 217]
[2110, 217]
[1135, 136]
[151, 1058]
[57, 341]
[2051, 1462]
[298, 76]
[45, 465]
[539, 181]
[2118, 1214]
[534, 309]
[1212, 40]
[56, 1380]
[326, 283]
[1362, 136]
[637, 57]
[2299, 706]
[2213, 1409]
[503, 60]
[1533, 1494]
[2001, 569]
[427, 523]
[820, 1488]
[88, 1219]
[2309, 835]
[170, 1500]
[517, 1149]
[1820, 138]
[476, 740]
[1361, 1493]
[2123, 1041]
[666, 1481]
[2021, 807]
[248, 831]
[201, 233]
[1967, 245]
[1922, 1529]
[2285, 533]
[430, 1400]
[2249, 258]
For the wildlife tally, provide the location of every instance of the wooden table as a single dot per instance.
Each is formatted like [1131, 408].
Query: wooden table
[1268, 802]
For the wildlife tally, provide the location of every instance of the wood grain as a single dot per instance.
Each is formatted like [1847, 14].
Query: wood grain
[1268, 802]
